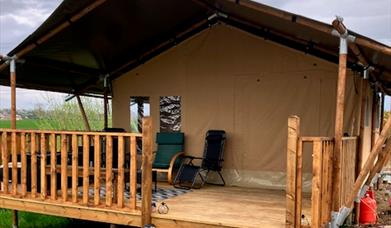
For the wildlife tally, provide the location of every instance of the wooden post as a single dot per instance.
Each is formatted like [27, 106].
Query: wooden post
[121, 180]
[24, 163]
[86, 168]
[5, 162]
[13, 93]
[109, 166]
[83, 114]
[43, 167]
[299, 182]
[133, 172]
[64, 174]
[146, 191]
[97, 170]
[75, 167]
[293, 137]
[14, 164]
[339, 112]
[316, 196]
[33, 165]
[13, 124]
[53, 164]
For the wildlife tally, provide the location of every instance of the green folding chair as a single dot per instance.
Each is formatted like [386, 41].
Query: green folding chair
[170, 146]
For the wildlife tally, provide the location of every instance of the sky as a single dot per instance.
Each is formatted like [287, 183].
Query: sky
[19, 18]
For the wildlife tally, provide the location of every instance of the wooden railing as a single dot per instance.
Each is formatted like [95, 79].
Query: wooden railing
[82, 168]
[322, 171]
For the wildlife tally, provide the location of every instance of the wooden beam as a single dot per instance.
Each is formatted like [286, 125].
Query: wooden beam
[380, 162]
[83, 114]
[56, 30]
[291, 178]
[57, 208]
[146, 185]
[339, 122]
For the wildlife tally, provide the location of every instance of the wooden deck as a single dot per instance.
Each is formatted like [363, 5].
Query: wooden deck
[215, 206]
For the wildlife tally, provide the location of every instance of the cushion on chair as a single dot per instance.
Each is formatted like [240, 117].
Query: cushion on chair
[169, 144]
[170, 138]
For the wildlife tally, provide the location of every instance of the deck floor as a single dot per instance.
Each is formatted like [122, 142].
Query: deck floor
[231, 207]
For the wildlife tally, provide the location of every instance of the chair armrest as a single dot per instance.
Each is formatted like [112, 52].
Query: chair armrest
[173, 159]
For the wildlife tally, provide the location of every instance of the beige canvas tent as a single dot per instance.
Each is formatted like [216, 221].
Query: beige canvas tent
[239, 66]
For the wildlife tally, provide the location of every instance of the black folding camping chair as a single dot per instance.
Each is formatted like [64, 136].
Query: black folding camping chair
[212, 160]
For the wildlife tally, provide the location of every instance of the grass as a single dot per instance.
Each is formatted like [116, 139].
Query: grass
[21, 124]
[32, 220]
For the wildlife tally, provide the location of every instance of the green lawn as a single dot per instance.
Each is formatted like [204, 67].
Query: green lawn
[32, 220]
[20, 124]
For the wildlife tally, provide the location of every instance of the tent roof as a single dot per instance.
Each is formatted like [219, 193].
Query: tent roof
[83, 41]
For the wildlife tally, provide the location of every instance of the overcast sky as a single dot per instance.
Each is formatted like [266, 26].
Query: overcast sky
[19, 18]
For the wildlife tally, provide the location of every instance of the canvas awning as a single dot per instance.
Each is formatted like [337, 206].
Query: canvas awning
[84, 41]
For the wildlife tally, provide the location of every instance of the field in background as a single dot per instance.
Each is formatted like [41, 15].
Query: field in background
[21, 124]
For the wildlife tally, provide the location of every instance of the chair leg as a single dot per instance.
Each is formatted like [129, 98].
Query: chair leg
[221, 176]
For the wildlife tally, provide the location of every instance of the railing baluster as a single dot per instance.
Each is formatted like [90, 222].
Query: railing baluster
[14, 164]
[53, 163]
[43, 166]
[109, 175]
[96, 170]
[324, 180]
[5, 162]
[75, 168]
[33, 166]
[24, 163]
[316, 184]
[64, 176]
[121, 184]
[133, 172]
[86, 169]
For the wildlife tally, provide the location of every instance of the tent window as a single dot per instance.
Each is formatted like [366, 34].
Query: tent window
[139, 108]
[170, 114]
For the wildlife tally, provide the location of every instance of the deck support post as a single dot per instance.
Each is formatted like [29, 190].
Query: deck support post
[83, 114]
[339, 118]
[13, 118]
[146, 185]
[293, 177]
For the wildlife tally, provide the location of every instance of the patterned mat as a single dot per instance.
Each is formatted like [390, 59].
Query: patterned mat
[157, 196]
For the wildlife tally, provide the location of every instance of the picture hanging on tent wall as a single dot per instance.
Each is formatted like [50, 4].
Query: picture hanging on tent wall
[170, 113]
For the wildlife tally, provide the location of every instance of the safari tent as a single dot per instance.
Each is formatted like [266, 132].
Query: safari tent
[301, 102]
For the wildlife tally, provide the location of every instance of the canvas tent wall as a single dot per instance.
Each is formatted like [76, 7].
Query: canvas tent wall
[229, 79]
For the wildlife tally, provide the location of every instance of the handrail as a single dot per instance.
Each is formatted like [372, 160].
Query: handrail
[71, 132]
